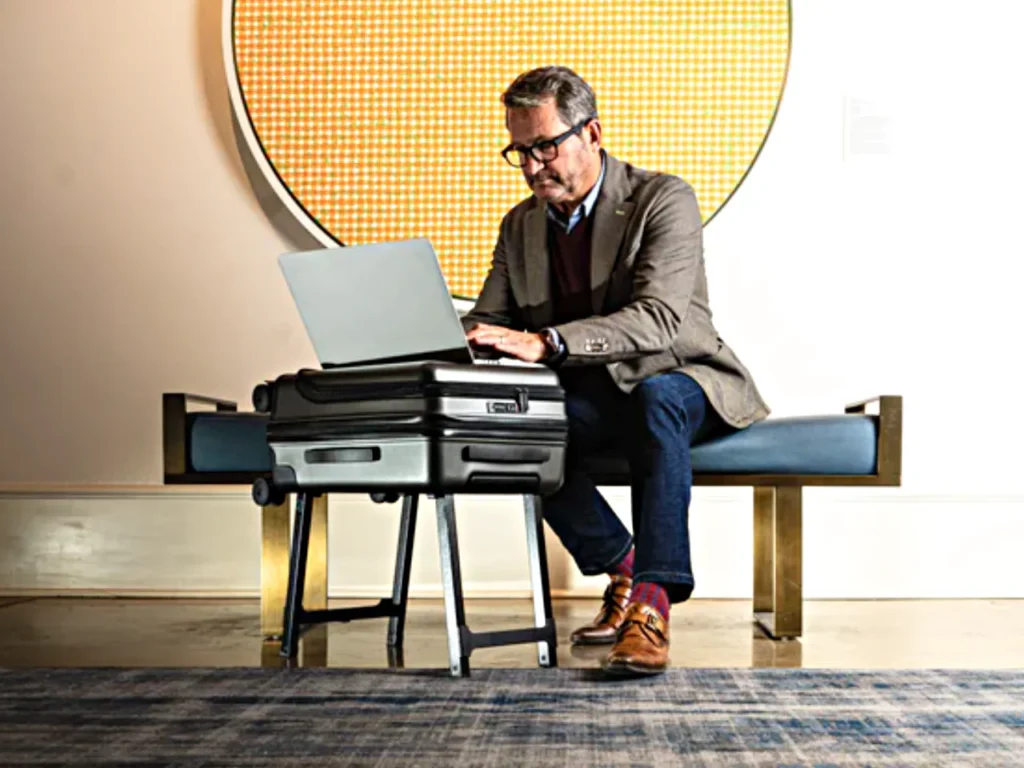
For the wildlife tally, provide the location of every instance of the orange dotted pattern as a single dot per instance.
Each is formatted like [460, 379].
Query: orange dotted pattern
[384, 121]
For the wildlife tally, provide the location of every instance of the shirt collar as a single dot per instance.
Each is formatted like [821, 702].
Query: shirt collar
[583, 210]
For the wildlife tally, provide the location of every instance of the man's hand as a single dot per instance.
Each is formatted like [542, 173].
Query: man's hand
[525, 346]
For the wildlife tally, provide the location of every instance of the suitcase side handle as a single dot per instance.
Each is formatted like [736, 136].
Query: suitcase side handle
[506, 454]
[342, 455]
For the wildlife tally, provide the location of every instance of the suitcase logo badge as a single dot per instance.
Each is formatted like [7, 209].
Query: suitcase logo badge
[506, 407]
[520, 405]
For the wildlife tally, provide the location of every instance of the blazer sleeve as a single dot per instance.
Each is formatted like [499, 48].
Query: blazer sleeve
[496, 305]
[665, 272]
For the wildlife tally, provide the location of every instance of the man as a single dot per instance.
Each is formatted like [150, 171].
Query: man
[600, 274]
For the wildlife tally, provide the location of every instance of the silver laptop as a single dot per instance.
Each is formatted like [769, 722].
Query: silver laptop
[375, 304]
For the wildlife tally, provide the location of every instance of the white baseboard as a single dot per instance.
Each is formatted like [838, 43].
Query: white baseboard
[157, 541]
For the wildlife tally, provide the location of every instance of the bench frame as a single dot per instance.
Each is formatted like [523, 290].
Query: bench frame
[777, 508]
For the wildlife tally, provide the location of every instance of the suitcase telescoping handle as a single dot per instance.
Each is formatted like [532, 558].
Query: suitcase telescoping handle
[506, 454]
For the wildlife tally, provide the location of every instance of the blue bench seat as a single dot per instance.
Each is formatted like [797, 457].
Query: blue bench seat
[843, 444]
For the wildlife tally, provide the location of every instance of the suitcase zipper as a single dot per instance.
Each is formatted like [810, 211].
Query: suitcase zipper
[320, 428]
[319, 393]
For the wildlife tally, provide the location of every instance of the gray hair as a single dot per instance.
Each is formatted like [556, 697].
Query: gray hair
[573, 97]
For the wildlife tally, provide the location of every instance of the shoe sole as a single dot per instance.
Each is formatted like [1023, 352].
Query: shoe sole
[620, 669]
[592, 641]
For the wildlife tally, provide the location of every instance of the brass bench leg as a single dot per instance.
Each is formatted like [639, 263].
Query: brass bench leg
[778, 560]
[274, 564]
[274, 568]
[314, 593]
[764, 544]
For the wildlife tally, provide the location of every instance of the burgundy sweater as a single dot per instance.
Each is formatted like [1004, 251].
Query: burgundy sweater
[570, 270]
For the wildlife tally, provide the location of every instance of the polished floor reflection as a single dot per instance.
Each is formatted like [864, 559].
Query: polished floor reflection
[705, 633]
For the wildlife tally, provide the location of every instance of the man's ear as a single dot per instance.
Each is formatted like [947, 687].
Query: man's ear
[593, 130]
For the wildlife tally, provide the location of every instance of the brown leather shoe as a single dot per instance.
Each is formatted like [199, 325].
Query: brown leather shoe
[641, 645]
[613, 610]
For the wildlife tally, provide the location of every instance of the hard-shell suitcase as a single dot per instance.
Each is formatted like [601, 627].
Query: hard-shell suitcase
[423, 426]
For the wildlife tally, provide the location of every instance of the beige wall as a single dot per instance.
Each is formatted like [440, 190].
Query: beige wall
[138, 257]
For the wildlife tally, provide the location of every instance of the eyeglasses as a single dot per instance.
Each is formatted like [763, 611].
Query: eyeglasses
[543, 151]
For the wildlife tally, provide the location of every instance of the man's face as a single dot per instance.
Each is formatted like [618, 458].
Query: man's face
[560, 180]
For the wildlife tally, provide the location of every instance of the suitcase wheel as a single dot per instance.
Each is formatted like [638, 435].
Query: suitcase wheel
[262, 399]
[265, 493]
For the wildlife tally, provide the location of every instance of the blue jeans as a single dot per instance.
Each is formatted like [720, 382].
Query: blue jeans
[654, 426]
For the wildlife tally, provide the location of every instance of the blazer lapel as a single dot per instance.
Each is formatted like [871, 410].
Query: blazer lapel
[611, 215]
[537, 261]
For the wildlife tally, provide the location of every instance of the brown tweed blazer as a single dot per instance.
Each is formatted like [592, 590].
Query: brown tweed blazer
[649, 290]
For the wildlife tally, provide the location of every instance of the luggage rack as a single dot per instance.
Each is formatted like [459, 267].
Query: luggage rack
[461, 640]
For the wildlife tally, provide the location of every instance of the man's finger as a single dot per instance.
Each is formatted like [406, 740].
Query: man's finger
[484, 331]
[497, 335]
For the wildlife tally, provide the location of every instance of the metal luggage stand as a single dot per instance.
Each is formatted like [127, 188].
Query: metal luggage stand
[461, 640]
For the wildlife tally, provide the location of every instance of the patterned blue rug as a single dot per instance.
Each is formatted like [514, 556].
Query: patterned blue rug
[529, 717]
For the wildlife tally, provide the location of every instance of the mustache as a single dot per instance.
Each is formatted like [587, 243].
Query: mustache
[543, 176]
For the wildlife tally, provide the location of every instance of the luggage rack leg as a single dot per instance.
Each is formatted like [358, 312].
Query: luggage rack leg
[461, 641]
[451, 580]
[296, 616]
[400, 588]
[296, 574]
[543, 618]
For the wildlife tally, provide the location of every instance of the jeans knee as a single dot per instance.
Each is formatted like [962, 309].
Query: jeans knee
[656, 408]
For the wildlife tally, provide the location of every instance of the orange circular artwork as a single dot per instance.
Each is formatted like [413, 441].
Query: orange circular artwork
[381, 120]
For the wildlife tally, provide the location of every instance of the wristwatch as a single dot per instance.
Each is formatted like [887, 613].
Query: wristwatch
[554, 342]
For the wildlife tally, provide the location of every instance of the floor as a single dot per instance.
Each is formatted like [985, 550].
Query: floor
[705, 633]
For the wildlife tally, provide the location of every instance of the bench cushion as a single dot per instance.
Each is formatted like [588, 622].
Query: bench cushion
[228, 442]
[802, 445]
[805, 445]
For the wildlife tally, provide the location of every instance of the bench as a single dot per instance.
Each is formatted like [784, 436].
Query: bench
[777, 458]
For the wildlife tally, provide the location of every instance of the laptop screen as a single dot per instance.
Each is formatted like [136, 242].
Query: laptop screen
[370, 304]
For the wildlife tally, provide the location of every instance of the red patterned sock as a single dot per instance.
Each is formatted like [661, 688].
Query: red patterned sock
[652, 594]
[624, 567]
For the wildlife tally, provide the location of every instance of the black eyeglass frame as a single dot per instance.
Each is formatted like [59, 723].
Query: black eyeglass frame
[532, 150]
